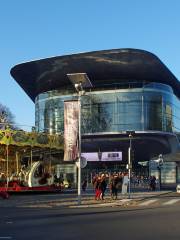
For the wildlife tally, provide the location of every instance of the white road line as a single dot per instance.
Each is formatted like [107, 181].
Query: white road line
[170, 202]
[5, 237]
[148, 202]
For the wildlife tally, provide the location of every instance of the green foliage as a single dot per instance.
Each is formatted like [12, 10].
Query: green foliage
[6, 117]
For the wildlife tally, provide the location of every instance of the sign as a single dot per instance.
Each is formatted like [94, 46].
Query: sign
[83, 163]
[102, 156]
[71, 123]
[125, 184]
[129, 166]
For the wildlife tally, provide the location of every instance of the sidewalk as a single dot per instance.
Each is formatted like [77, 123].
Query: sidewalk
[68, 199]
[88, 201]
[123, 200]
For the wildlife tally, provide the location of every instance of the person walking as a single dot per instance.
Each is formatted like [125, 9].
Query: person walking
[84, 185]
[98, 190]
[120, 181]
[103, 186]
[114, 186]
[152, 183]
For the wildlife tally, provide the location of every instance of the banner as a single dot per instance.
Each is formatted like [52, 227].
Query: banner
[71, 123]
[102, 156]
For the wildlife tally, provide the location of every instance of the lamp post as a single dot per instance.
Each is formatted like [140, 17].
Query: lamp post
[130, 135]
[79, 157]
[160, 164]
[80, 81]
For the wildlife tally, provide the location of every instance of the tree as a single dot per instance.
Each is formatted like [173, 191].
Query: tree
[6, 117]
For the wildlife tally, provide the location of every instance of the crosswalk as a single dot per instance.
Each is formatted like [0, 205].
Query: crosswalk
[171, 202]
[159, 201]
[148, 202]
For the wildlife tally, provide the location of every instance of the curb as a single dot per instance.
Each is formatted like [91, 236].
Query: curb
[108, 204]
[120, 202]
[89, 202]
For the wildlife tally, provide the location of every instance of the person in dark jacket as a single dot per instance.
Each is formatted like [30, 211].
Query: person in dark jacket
[114, 186]
[84, 185]
[153, 183]
[103, 186]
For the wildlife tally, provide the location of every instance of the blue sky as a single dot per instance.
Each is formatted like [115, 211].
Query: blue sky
[37, 29]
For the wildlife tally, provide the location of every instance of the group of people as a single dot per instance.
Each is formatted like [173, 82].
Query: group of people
[100, 185]
[145, 182]
[117, 182]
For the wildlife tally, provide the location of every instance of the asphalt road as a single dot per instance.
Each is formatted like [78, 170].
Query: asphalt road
[135, 223]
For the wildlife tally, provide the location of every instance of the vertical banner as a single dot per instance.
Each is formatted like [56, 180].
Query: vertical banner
[71, 123]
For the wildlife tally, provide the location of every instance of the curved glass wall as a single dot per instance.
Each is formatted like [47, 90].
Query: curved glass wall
[153, 107]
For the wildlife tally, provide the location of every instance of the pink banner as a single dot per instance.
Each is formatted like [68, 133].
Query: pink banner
[71, 123]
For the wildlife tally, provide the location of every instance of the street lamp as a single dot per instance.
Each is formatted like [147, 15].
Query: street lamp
[160, 164]
[80, 82]
[130, 134]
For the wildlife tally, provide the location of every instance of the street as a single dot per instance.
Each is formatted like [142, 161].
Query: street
[147, 221]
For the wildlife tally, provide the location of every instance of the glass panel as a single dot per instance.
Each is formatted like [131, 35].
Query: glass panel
[153, 111]
[153, 107]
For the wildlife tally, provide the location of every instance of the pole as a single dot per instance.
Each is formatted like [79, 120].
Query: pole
[31, 157]
[79, 165]
[159, 169]
[50, 163]
[17, 163]
[7, 165]
[129, 167]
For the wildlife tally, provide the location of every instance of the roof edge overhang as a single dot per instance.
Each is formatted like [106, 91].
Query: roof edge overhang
[47, 74]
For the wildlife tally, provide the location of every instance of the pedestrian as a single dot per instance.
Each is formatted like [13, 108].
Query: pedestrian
[111, 186]
[103, 186]
[120, 181]
[84, 185]
[152, 183]
[98, 190]
[114, 187]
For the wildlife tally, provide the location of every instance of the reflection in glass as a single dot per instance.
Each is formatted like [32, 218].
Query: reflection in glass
[153, 107]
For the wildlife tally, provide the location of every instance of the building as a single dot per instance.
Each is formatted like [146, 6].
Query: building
[132, 91]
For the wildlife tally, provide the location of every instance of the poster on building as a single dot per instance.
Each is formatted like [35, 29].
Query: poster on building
[71, 116]
[102, 156]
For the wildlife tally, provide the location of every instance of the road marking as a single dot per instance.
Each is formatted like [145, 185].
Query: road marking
[148, 202]
[6, 237]
[172, 201]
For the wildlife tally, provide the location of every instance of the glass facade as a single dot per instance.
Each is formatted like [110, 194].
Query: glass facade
[152, 107]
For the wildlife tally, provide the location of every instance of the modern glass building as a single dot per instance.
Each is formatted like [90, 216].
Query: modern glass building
[132, 90]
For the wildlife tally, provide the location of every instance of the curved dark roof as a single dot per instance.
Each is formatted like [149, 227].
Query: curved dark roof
[102, 67]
